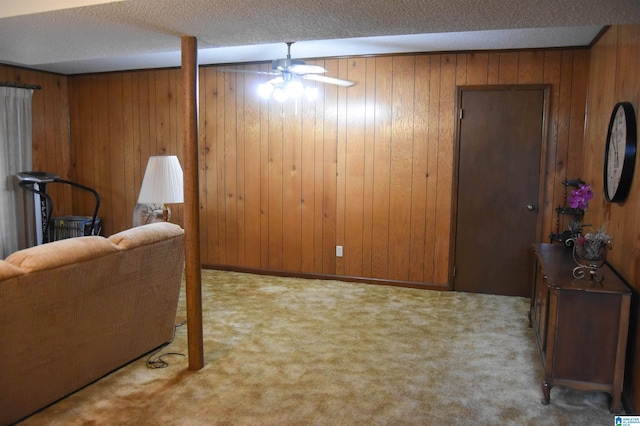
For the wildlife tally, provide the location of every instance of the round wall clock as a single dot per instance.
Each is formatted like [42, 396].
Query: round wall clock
[620, 152]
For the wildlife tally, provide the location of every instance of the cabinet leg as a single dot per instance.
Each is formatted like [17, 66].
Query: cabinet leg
[614, 408]
[546, 392]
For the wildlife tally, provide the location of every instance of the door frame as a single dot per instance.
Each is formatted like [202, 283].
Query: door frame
[544, 141]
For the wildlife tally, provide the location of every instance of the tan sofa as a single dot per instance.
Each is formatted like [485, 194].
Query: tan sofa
[73, 310]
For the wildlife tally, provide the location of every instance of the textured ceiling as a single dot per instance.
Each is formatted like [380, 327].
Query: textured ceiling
[146, 33]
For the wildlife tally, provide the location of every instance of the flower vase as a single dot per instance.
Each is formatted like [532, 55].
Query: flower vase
[590, 258]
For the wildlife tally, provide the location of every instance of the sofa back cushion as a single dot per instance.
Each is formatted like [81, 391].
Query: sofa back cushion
[61, 253]
[146, 234]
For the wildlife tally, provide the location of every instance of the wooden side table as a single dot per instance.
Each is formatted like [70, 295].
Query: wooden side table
[581, 326]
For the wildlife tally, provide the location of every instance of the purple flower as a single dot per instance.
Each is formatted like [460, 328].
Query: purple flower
[579, 198]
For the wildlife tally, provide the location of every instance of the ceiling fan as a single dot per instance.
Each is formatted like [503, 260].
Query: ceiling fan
[290, 74]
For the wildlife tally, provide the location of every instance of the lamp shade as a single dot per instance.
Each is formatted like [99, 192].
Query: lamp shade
[163, 181]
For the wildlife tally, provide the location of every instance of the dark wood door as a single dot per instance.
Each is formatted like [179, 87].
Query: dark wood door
[500, 144]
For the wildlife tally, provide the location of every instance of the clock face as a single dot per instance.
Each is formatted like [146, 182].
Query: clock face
[620, 153]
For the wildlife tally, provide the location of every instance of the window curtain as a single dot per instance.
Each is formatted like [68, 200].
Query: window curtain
[15, 157]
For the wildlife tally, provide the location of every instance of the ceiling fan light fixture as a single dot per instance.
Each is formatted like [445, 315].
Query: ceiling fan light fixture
[294, 89]
[311, 93]
[265, 90]
[280, 94]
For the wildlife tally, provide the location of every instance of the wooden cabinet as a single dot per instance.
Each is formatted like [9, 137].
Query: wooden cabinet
[580, 325]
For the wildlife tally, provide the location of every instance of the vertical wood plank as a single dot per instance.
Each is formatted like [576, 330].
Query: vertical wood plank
[330, 194]
[432, 168]
[307, 183]
[252, 171]
[381, 165]
[508, 68]
[419, 169]
[369, 172]
[292, 185]
[354, 169]
[445, 166]
[400, 175]
[477, 68]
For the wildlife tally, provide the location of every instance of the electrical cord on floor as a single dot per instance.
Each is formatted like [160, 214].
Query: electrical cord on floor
[157, 361]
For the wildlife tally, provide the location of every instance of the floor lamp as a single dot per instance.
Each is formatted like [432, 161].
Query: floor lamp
[162, 184]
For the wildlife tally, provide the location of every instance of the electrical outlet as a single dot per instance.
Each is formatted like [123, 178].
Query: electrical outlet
[338, 251]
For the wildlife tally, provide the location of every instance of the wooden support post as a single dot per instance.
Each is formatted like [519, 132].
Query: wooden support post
[193, 274]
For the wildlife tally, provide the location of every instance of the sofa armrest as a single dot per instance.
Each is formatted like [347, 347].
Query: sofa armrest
[7, 271]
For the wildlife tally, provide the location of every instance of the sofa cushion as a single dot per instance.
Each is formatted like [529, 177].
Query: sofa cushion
[145, 234]
[60, 253]
[7, 271]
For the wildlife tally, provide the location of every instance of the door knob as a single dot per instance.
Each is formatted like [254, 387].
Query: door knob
[532, 207]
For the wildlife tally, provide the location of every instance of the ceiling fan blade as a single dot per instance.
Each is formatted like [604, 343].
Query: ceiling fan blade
[275, 81]
[330, 80]
[307, 69]
[247, 71]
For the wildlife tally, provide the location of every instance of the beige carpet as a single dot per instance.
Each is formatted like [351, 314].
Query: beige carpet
[283, 351]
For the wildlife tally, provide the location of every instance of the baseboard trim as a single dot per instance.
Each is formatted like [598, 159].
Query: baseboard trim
[376, 281]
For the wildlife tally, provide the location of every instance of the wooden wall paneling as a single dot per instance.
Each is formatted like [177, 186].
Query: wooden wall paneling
[143, 102]
[60, 144]
[461, 68]
[355, 169]
[369, 106]
[153, 117]
[445, 167]
[44, 150]
[209, 166]
[341, 177]
[432, 168]
[579, 64]
[265, 113]
[627, 89]
[163, 117]
[530, 67]
[116, 184]
[240, 188]
[508, 68]
[319, 179]
[400, 166]
[231, 168]
[176, 109]
[131, 161]
[39, 127]
[493, 71]
[419, 169]
[613, 77]
[218, 144]
[252, 170]
[601, 100]
[557, 144]
[202, 165]
[368, 167]
[292, 185]
[477, 68]
[579, 84]
[381, 166]
[307, 171]
[101, 150]
[80, 113]
[275, 209]
[330, 235]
